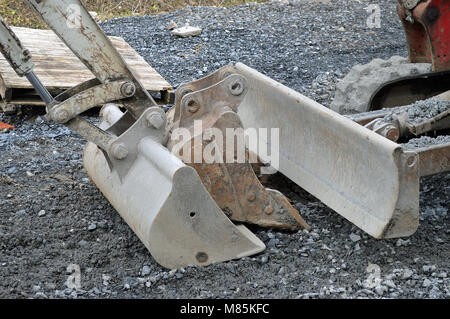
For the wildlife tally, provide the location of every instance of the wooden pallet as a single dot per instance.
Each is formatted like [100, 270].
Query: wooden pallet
[59, 69]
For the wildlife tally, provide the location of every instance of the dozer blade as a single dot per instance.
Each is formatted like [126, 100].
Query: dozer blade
[165, 203]
[207, 106]
[366, 178]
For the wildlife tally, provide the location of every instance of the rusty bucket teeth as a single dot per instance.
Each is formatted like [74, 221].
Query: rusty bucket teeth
[233, 185]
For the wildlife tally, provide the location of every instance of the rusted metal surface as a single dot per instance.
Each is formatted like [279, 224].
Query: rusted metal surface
[439, 122]
[390, 130]
[434, 159]
[427, 31]
[234, 186]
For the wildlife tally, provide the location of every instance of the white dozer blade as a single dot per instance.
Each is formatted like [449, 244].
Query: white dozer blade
[166, 205]
[363, 176]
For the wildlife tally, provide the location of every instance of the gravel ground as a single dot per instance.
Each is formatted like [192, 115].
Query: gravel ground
[427, 109]
[52, 216]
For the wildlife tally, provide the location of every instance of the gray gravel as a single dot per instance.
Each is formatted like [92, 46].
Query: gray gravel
[426, 109]
[307, 47]
[425, 141]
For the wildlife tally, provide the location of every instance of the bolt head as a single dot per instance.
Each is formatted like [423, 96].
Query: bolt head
[119, 151]
[202, 257]
[155, 120]
[251, 197]
[236, 88]
[61, 116]
[193, 106]
[268, 210]
[128, 89]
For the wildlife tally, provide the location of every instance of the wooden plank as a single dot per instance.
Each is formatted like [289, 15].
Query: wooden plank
[59, 68]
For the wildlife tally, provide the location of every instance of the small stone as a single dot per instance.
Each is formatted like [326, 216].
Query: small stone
[357, 247]
[390, 283]
[126, 286]
[407, 273]
[105, 279]
[264, 259]
[380, 290]
[29, 174]
[82, 243]
[145, 271]
[332, 271]
[401, 242]
[187, 31]
[172, 25]
[342, 29]
[179, 275]
[355, 237]
[172, 273]
[426, 283]
[281, 271]
[428, 268]
[41, 213]
[92, 227]
[442, 275]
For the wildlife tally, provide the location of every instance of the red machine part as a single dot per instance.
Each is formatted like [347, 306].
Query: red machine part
[428, 37]
[4, 126]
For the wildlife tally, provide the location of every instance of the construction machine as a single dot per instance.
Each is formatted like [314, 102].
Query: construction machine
[189, 208]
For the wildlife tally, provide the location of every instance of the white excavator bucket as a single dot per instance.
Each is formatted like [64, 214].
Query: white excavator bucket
[167, 206]
[363, 176]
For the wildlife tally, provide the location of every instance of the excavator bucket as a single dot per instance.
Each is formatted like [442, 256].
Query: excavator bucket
[363, 176]
[210, 104]
[166, 204]
[163, 200]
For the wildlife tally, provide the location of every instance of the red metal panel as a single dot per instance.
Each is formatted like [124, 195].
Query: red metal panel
[428, 37]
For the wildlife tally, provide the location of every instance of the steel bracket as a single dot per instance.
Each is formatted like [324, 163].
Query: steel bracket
[89, 98]
[123, 150]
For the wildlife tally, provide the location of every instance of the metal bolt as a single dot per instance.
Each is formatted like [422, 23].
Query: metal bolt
[193, 106]
[119, 151]
[26, 55]
[236, 87]
[202, 257]
[61, 116]
[128, 89]
[251, 197]
[392, 134]
[268, 210]
[411, 161]
[155, 120]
